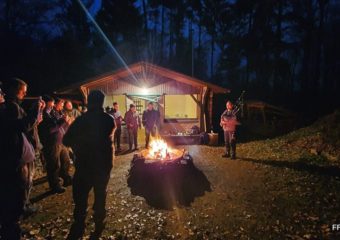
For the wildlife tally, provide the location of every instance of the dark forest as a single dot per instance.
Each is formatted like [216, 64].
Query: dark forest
[285, 52]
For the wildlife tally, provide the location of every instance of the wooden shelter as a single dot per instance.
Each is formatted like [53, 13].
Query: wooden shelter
[183, 101]
[254, 108]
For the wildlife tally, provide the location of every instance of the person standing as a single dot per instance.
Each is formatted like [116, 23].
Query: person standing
[16, 154]
[118, 119]
[43, 132]
[33, 137]
[228, 123]
[51, 131]
[2, 99]
[108, 110]
[70, 111]
[63, 153]
[2, 95]
[90, 137]
[151, 120]
[58, 109]
[67, 153]
[133, 122]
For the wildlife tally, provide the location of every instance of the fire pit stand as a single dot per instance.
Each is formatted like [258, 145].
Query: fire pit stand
[175, 157]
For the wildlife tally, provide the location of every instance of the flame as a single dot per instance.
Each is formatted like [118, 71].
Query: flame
[159, 149]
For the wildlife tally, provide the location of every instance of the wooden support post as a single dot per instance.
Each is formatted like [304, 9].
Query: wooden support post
[161, 110]
[203, 110]
[210, 108]
[85, 93]
[200, 105]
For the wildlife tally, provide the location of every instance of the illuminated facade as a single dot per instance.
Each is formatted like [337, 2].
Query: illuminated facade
[183, 101]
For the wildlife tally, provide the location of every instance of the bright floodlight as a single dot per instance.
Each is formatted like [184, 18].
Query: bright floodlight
[145, 91]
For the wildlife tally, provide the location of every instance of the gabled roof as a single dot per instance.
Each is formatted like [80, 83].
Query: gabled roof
[141, 69]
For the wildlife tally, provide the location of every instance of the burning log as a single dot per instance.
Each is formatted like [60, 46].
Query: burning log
[159, 151]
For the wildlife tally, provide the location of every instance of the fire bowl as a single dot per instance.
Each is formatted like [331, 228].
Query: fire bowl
[165, 184]
[177, 156]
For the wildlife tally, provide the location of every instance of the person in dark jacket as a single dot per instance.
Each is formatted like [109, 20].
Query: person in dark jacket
[44, 127]
[2, 98]
[63, 152]
[2, 95]
[70, 111]
[228, 123]
[16, 153]
[150, 122]
[133, 122]
[118, 120]
[33, 137]
[90, 137]
[58, 108]
[51, 131]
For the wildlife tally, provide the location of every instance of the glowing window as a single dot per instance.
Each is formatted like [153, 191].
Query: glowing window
[120, 99]
[180, 107]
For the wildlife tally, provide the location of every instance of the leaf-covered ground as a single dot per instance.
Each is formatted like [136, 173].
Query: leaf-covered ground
[284, 188]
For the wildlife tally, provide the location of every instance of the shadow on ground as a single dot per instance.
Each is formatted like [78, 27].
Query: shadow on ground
[40, 181]
[41, 196]
[123, 152]
[300, 165]
[165, 186]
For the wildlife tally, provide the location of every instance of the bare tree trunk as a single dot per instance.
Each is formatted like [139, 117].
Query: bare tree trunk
[316, 82]
[171, 37]
[199, 36]
[277, 84]
[250, 20]
[199, 48]
[162, 33]
[307, 50]
[212, 55]
[145, 17]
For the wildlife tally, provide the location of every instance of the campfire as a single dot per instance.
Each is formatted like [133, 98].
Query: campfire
[159, 150]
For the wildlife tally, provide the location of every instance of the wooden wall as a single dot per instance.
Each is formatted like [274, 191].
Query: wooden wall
[173, 87]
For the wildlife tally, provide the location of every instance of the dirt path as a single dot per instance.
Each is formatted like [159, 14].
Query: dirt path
[250, 198]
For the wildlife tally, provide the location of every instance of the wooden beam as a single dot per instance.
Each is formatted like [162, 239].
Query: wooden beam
[203, 109]
[196, 100]
[210, 107]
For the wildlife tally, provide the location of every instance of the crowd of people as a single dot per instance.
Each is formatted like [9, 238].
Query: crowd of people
[58, 134]
[150, 121]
